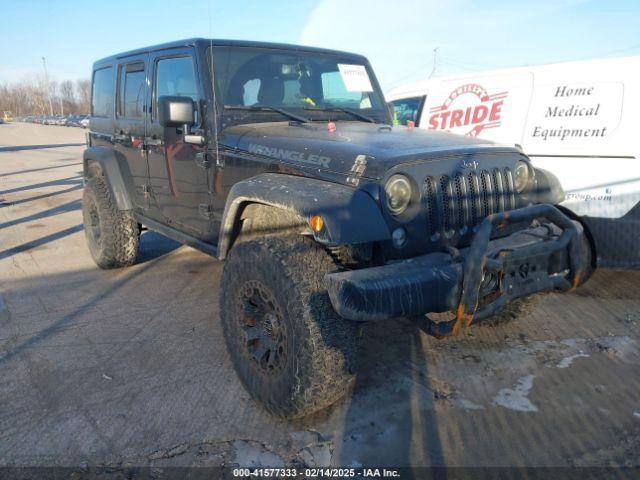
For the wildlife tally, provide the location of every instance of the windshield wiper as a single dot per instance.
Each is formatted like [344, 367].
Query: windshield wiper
[267, 108]
[361, 116]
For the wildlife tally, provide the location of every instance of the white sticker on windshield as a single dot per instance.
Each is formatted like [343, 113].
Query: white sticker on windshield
[355, 78]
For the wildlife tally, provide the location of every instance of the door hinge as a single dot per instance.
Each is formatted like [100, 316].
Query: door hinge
[146, 190]
[205, 210]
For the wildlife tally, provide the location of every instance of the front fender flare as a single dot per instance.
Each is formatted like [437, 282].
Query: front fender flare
[112, 170]
[350, 215]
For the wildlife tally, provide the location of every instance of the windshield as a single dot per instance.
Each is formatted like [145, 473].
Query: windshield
[315, 85]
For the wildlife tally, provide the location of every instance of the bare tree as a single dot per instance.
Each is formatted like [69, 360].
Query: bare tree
[83, 94]
[30, 96]
[67, 96]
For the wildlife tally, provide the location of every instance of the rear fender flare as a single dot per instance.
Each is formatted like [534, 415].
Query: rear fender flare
[112, 169]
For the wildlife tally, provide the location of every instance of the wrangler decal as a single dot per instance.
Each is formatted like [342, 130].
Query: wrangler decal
[290, 155]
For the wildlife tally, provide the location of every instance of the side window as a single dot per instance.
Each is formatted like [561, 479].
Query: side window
[131, 91]
[174, 76]
[406, 109]
[103, 97]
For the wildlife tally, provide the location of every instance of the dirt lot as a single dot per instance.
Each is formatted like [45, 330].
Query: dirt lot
[129, 366]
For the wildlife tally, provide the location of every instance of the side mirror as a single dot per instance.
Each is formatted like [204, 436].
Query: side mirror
[175, 111]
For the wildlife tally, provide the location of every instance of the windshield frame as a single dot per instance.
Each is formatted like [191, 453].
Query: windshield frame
[229, 117]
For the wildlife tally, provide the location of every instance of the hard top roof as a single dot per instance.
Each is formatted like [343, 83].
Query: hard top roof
[203, 42]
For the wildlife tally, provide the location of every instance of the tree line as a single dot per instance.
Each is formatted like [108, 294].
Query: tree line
[32, 97]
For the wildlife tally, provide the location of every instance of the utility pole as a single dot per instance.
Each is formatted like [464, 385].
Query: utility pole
[435, 61]
[46, 81]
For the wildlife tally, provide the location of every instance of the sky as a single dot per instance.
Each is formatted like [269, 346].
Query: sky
[398, 37]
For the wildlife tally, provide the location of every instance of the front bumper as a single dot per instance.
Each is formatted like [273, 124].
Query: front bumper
[545, 256]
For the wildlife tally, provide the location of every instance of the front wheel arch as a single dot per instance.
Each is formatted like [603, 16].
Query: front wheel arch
[351, 215]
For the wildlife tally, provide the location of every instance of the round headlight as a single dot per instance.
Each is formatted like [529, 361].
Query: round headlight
[398, 193]
[523, 175]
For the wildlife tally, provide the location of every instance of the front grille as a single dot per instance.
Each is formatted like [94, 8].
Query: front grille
[456, 203]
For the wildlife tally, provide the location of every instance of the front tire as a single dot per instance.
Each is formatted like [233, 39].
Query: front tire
[292, 352]
[113, 236]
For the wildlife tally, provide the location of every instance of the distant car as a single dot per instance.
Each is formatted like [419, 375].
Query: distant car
[1, 121]
[84, 123]
[74, 120]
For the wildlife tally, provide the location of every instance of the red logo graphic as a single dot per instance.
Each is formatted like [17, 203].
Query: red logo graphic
[459, 111]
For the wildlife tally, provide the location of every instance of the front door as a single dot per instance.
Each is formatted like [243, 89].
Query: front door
[129, 127]
[179, 183]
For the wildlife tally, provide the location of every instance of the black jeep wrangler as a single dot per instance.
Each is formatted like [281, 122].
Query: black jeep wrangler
[282, 161]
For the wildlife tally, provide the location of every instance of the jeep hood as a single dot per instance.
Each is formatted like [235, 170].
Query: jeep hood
[314, 146]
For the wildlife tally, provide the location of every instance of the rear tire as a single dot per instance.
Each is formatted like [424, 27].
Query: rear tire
[291, 350]
[113, 236]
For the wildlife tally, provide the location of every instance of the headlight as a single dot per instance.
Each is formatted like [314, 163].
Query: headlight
[523, 175]
[398, 193]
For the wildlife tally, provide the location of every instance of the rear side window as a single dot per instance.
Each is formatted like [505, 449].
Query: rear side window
[406, 110]
[102, 99]
[132, 91]
[175, 76]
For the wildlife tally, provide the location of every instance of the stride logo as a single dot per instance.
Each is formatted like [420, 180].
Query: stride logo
[468, 109]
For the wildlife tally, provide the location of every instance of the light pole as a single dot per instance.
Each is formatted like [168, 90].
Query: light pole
[46, 81]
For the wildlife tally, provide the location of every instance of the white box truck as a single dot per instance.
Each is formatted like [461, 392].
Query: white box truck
[578, 120]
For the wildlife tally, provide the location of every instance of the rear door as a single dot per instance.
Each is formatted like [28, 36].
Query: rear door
[129, 127]
[179, 182]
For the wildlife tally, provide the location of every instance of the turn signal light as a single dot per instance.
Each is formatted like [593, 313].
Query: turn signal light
[317, 223]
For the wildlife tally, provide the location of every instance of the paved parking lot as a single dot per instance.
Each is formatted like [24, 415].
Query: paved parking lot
[128, 367]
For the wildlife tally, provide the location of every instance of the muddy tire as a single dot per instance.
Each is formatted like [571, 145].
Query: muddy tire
[292, 352]
[113, 236]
